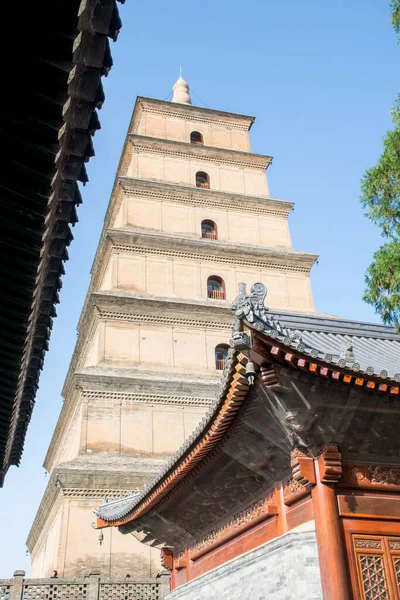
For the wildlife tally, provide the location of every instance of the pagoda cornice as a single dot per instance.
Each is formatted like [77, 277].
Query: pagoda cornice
[144, 242]
[203, 197]
[125, 383]
[188, 151]
[188, 112]
[141, 307]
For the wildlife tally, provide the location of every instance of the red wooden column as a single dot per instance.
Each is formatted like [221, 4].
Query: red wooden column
[331, 549]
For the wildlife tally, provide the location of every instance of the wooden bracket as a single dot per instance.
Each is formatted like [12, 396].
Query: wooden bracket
[268, 374]
[302, 464]
[167, 558]
[330, 464]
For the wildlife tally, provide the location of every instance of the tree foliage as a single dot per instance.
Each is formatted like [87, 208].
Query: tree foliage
[395, 6]
[380, 198]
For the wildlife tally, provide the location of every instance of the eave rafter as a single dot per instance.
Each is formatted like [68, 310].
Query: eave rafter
[279, 353]
[48, 141]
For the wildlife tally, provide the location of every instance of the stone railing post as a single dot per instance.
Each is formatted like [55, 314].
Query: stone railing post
[164, 578]
[17, 588]
[94, 586]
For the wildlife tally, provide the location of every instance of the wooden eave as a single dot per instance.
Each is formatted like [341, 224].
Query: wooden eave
[248, 434]
[48, 119]
[235, 393]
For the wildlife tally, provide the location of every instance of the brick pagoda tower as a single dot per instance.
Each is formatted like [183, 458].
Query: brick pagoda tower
[189, 217]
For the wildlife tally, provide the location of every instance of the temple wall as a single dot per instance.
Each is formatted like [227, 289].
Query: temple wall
[69, 448]
[46, 557]
[179, 130]
[283, 569]
[235, 227]
[176, 277]
[159, 347]
[72, 547]
[224, 178]
[130, 428]
[117, 555]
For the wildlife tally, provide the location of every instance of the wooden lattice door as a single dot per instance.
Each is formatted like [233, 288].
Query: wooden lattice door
[377, 565]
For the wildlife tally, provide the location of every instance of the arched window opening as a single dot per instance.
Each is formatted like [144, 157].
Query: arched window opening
[215, 288]
[221, 354]
[202, 180]
[196, 138]
[209, 229]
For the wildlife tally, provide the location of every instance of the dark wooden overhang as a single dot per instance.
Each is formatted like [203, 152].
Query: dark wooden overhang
[56, 53]
[302, 397]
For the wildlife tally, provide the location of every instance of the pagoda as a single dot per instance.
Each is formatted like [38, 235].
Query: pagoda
[190, 216]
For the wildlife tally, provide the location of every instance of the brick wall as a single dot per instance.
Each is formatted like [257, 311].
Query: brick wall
[283, 569]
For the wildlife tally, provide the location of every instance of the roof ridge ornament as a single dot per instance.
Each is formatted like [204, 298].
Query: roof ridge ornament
[347, 352]
[252, 309]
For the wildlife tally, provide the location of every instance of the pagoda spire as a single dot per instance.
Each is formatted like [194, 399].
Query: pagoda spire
[181, 91]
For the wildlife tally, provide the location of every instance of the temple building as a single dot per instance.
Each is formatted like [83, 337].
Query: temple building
[190, 216]
[290, 486]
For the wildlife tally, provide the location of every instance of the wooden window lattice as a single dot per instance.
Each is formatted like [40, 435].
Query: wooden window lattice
[378, 566]
[396, 563]
[373, 577]
[59, 591]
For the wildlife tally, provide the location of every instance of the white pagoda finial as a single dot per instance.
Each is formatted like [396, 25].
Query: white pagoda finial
[181, 91]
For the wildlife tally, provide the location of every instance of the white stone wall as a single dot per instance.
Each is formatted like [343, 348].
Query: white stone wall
[284, 569]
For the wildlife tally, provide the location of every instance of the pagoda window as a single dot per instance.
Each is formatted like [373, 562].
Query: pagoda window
[215, 288]
[196, 138]
[202, 180]
[221, 354]
[209, 229]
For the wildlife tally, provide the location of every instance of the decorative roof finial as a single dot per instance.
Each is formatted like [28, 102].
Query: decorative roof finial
[181, 90]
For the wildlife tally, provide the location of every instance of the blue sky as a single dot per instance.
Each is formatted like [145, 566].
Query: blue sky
[319, 76]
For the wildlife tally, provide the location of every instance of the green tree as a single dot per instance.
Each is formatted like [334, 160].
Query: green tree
[380, 197]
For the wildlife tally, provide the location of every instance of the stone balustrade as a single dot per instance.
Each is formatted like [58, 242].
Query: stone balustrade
[92, 587]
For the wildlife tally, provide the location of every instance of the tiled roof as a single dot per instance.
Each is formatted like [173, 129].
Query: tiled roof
[353, 346]
[374, 345]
